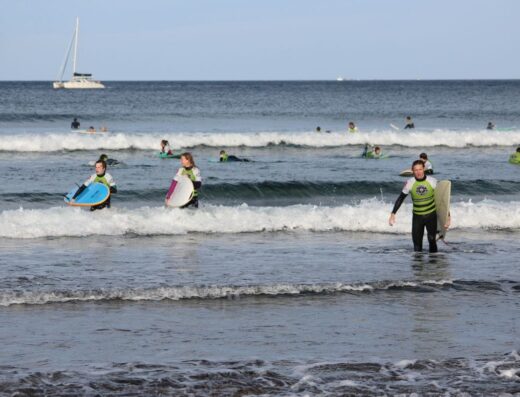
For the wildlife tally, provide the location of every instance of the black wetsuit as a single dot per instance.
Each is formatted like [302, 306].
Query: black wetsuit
[74, 125]
[424, 201]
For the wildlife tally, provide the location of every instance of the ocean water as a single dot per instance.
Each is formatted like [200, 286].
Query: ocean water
[287, 281]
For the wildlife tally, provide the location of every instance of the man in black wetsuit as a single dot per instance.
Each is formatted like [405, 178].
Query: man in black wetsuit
[75, 124]
[422, 189]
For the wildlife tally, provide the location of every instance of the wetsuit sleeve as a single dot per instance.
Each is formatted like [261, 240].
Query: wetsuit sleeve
[78, 192]
[398, 202]
[406, 189]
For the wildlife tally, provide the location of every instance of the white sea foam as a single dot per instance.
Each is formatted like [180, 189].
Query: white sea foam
[367, 216]
[49, 142]
[176, 293]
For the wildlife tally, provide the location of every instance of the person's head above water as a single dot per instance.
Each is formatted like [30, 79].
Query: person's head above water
[164, 142]
[418, 169]
[351, 124]
[423, 156]
[103, 157]
[101, 167]
[187, 160]
[377, 149]
[408, 118]
[222, 152]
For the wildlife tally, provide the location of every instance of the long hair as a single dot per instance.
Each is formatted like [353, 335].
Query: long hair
[189, 157]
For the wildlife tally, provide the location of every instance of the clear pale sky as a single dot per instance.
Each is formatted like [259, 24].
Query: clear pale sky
[263, 39]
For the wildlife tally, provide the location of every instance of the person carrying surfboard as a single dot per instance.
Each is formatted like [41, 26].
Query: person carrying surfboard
[193, 173]
[101, 176]
[422, 189]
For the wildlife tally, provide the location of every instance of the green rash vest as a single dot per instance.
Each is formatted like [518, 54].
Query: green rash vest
[192, 173]
[423, 194]
[224, 157]
[106, 179]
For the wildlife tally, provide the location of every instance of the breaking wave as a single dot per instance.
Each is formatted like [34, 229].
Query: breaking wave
[51, 142]
[367, 216]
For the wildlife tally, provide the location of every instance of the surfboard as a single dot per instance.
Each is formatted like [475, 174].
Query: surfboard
[174, 155]
[394, 127]
[182, 193]
[442, 203]
[407, 172]
[370, 156]
[94, 194]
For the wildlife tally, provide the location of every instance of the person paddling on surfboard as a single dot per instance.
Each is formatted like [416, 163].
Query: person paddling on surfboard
[165, 148]
[422, 189]
[515, 157]
[191, 171]
[101, 176]
[108, 161]
[224, 157]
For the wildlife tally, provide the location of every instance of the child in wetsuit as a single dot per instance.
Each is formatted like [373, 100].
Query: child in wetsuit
[227, 157]
[165, 147]
[191, 171]
[101, 176]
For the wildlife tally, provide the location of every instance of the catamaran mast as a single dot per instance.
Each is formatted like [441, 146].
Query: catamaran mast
[76, 45]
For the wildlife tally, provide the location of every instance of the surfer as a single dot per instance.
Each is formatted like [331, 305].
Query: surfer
[91, 129]
[515, 157]
[165, 148]
[375, 153]
[191, 171]
[101, 176]
[428, 167]
[224, 157]
[75, 124]
[352, 127]
[422, 189]
[409, 123]
[490, 126]
[108, 161]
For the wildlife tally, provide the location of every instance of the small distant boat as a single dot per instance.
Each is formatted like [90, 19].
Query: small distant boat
[339, 78]
[78, 80]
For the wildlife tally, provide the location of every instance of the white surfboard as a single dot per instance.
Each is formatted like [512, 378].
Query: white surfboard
[182, 193]
[442, 203]
[407, 172]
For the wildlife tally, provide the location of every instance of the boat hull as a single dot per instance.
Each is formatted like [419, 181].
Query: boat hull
[78, 84]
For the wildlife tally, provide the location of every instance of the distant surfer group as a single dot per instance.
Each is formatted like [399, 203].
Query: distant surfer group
[75, 126]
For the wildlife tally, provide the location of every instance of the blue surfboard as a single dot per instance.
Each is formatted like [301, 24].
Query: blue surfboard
[94, 194]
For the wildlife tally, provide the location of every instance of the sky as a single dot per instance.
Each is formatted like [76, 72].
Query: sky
[263, 39]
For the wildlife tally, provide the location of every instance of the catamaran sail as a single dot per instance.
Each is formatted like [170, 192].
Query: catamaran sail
[78, 80]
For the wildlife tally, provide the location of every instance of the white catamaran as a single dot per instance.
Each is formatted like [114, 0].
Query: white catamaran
[79, 80]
